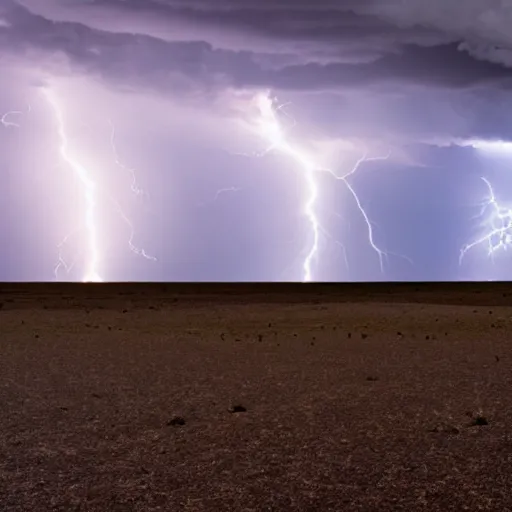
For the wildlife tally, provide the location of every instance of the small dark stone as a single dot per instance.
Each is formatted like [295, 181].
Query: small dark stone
[427, 337]
[490, 312]
[237, 408]
[349, 335]
[372, 379]
[364, 335]
[109, 328]
[36, 336]
[269, 324]
[312, 343]
[479, 421]
[260, 337]
[96, 395]
[497, 358]
[222, 336]
[125, 311]
[176, 421]
[63, 408]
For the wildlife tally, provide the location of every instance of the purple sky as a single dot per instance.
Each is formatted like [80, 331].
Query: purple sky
[178, 80]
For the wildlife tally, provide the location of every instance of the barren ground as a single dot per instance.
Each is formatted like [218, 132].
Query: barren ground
[363, 397]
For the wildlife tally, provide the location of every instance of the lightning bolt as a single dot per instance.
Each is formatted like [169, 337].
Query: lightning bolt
[90, 194]
[219, 193]
[5, 121]
[12, 124]
[499, 220]
[134, 185]
[270, 128]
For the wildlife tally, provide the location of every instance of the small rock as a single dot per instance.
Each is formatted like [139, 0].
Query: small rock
[479, 421]
[176, 421]
[237, 408]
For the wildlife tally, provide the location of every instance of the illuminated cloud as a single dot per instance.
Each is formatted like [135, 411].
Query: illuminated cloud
[423, 78]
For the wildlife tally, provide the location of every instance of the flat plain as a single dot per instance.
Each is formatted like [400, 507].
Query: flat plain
[145, 397]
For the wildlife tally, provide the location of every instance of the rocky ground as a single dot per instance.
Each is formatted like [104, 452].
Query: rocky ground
[240, 398]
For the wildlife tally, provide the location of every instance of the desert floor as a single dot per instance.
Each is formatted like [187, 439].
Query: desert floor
[362, 397]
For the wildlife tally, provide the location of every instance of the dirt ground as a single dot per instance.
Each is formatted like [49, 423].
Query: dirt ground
[255, 398]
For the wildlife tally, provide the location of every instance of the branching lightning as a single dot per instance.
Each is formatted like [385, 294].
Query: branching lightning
[499, 236]
[220, 193]
[89, 188]
[134, 185]
[6, 123]
[5, 119]
[91, 195]
[270, 128]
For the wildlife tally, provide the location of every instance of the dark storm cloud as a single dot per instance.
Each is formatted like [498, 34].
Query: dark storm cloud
[144, 60]
[418, 54]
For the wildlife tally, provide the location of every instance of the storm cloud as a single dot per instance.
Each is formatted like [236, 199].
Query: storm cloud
[403, 74]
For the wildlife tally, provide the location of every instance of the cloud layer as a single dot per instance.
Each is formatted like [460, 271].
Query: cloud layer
[411, 75]
[397, 50]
